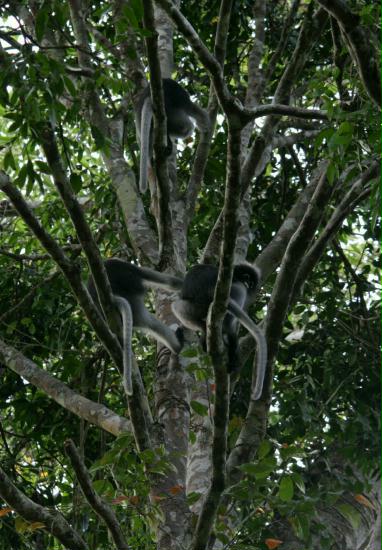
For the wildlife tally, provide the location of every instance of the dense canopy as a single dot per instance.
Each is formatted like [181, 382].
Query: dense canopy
[285, 176]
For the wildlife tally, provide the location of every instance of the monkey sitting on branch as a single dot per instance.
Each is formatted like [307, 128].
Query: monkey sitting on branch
[197, 294]
[129, 284]
[181, 113]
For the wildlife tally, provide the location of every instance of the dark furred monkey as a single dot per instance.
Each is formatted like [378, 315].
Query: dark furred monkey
[196, 296]
[129, 283]
[180, 114]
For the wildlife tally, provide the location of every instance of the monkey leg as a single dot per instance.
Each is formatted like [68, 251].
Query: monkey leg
[189, 315]
[148, 323]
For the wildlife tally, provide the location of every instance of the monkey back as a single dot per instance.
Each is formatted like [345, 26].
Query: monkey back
[175, 97]
[125, 279]
[199, 283]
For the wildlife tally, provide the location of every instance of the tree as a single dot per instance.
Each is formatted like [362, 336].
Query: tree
[286, 178]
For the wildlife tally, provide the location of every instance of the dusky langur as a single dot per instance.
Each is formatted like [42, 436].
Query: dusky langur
[196, 296]
[129, 283]
[181, 113]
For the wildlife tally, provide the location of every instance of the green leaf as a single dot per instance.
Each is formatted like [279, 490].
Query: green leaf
[99, 138]
[286, 489]
[264, 448]
[199, 408]
[76, 182]
[103, 487]
[190, 351]
[137, 7]
[69, 85]
[331, 172]
[43, 167]
[350, 513]
[21, 178]
[193, 497]
[299, 482]
[262, 469]
[41, 25]
[9, 161]
[300, 526]
[131, 16]
[345, 128]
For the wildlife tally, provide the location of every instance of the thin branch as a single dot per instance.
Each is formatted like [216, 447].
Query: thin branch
[255, 71]
[356, 193]
[297, 163]
[286, 141]
[77, 216]
[202, 151]
[28, 296]
[221, 36]
[340, 57]
[35, 257]
[53, 521]
[140, 233]
[69, 269]
[282, 42]
[269, 259]
[282, 110]
[360, 45]
[104, 511]
[283, 288]
[310, 31]
[92, 412]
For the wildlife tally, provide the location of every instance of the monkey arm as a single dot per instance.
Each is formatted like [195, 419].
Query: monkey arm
[262, 351]
[201, 117]
[127, 324]
[148, 323]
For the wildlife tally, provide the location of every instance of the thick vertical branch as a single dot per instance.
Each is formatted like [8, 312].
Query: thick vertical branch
[253, 430]
[141, 235]
[160, 137]
[228, 103]
[283, 289]
[215, 344]
[201, 155]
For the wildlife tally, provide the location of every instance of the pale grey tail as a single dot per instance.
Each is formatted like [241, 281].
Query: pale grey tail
[146, 119]
[262, 350]
[127, 326]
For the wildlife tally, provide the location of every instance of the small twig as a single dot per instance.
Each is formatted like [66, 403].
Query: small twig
[53, 522]
[68, 267]
[103, 510]
[360, 45]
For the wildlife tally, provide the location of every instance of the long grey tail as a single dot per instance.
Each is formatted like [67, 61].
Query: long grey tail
[162, 280]
[262, 350]
[146, 118]
[127, 326]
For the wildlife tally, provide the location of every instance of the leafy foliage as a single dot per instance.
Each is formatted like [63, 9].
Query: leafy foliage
[323, 421]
